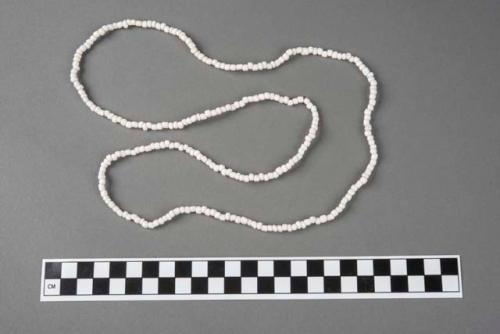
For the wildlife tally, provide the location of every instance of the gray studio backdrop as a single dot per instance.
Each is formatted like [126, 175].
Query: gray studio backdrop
[436, 190]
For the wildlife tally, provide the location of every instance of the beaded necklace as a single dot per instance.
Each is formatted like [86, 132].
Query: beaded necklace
[207, 114]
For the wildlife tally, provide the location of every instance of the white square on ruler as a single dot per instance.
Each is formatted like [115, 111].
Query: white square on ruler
[117, 286]
[84, 286]
[52, 287]
[332, 268]
[134, 269]
[282, 284]
[450, 283]
[416, 284]
[398, 267]
[68, 270]
[182, 285]
[265, 268]
[382, 284]
[215, 285]
[349, 284]
[432, 266]
[315, 285]
[199, 269]
[249, 285]
[150, 286]
[167, 269]
[298, 268]
[232, 269]
[101, 270]
[365, 267]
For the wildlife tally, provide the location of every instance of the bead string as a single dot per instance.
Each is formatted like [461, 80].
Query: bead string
[207, 114]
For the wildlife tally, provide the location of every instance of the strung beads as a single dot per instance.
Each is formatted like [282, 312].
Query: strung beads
[199, 117]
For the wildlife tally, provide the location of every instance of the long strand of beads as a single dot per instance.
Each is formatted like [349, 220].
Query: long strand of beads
[207, 114]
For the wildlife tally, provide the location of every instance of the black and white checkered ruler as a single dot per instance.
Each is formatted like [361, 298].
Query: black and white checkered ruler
[252, 278]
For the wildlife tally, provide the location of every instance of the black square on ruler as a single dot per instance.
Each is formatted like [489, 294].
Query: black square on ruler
[249, 268]
[199, 285]
[68, 286]
[117, 269]
[315, 268]
[166, 285]
[150, 269]
[133, 286]
[366, 284]
[415, 267]
[381, 267]
[52, 270]
[85, 269]
[100, 286]
[399, 284]
[433, 283]
[332, 284]
[265, 284]
[216, 269]
[298, 285]
[449, 266]
[348, 268]
[182, 268]
[232, 285]
[281, 268]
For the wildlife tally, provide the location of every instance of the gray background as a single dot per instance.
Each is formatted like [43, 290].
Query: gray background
[436, 190]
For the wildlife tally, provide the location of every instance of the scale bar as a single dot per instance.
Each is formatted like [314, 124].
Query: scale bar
[240, 278]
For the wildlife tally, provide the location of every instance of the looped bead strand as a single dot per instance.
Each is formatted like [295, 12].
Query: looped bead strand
[207, 114]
